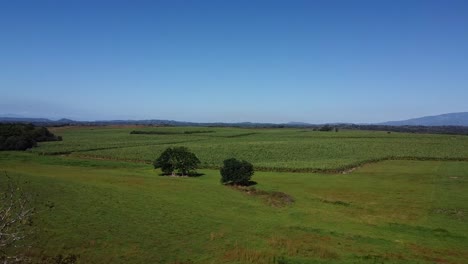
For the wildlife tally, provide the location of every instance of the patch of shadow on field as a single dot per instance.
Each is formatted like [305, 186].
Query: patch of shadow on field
[272, 198]
[423, 231]
[341, 203]
[454, 213]
[249, 183]
[191, 175]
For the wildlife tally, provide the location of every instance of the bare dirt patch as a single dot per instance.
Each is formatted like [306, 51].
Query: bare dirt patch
[272, 198]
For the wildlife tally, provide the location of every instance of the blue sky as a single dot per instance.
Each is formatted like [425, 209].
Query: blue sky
[231, 61]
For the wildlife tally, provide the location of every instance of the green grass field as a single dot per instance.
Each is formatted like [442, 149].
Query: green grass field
[110, 211]
[267, 149]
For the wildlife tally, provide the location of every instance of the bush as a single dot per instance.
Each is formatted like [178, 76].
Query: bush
[236, 172]
[177, 160]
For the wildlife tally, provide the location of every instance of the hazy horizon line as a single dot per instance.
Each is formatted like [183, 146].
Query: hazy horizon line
[55, 119]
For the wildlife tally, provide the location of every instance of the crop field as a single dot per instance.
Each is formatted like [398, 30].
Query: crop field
[98, 200]
[268, 149]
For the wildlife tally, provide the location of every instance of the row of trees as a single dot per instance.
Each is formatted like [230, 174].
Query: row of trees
[23, 136]
[326, 128]
[180, 161]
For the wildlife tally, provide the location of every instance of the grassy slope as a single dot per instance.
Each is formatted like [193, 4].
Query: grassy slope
[116, 212]
[270, 149]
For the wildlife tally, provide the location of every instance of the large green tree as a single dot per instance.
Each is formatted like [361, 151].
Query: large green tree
[236, 172]
[177, 160]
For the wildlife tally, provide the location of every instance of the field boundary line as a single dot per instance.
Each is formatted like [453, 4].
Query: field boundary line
[341, 170]
[53, 153]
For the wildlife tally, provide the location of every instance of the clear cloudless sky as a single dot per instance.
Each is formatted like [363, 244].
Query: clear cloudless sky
[233, 61]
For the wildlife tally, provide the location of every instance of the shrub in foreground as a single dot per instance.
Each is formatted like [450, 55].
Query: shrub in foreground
[177, 160]
[236, 172]
[15, 220]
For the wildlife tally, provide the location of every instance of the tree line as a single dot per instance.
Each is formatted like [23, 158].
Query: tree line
[23, 136]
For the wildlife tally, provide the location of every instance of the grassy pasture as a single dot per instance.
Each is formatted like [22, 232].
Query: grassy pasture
[93, 202]
[121, 212]
[267, 149]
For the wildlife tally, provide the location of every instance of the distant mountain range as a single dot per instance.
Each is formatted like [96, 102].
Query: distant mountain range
[24, 120]
[452, 119]
[155, 122]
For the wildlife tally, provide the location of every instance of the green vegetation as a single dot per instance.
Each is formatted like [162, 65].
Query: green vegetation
[121, 212]
[237, 172]
[23, 136]
[267, 149]
[94, 206]
[177, 159]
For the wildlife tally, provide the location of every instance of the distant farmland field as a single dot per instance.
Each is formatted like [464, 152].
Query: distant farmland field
[98, 201]
[267, 149]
